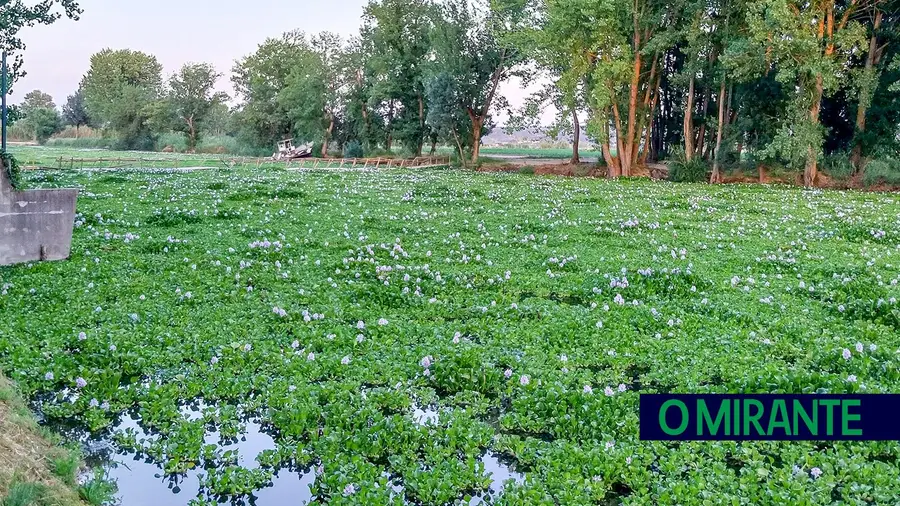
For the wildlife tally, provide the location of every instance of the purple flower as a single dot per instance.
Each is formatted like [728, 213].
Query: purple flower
[846, 354]
[49, 376]
[214, 361]
[80, 382]
[349, 490]
[815, 472]
[524, 380]
[588, 390]
[622, 387]
[609, 391]
[345, 360]
[82, 336]
[426, 362]
[507, 373]
[859, 348]
[94, 403]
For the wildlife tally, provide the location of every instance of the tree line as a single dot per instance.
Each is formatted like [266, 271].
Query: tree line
[708, 83]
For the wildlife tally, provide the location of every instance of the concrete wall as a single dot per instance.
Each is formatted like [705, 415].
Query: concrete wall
[35, 224]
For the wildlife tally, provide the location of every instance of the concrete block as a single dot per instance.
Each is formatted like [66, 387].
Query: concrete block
[35, 224]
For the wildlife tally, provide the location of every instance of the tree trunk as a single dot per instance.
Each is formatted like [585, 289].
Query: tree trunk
[462, 155]
[476, 137]
[626, 158]
[76, 131]
[689, 123]
[865, 96]
[576, 129]
[327, 136]
[421, 125]
[701, 135]
[717, 154]
[811, 170]
[192, 135]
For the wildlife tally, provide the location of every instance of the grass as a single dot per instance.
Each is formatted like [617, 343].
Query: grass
[528, 312]
[33, 470]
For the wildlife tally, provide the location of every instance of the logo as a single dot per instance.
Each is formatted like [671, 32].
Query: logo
[773, 417]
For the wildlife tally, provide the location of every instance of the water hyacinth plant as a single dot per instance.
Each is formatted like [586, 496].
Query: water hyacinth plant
[524, 315]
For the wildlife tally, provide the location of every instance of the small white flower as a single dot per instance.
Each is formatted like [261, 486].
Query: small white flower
[588, 390]
[859, 348]
[94, 403]
[360, 325]
[426, 361]
[311, 356]
[214, 361]
[524, 380]
[80, 382]
[49, 376]
[382, 322]
[609, 391]
[563, 358]
[622, 387]
[846, 354]
[349, 490]
[815, 472]
[507, 373]
[851, 378]
[247, 347]
[345, 360]
[295, 344]
[82, 336]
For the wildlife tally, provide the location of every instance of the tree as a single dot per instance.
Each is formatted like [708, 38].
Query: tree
[14, 15]
[119, 90]
[191, 97]
[468, 50]
[74, 111]
[313, 91]
[41, 118]
[808, 46]
[258, 79]
[37, 99]
[397, 31]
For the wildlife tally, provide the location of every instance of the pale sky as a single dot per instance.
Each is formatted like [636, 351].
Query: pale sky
[176, 32]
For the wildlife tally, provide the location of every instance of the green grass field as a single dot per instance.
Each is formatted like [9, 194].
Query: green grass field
[393, 331]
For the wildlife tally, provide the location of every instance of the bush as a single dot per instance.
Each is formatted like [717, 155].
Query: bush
[683, 171]
[81, 142]
[837, 165]
[353, 149]
[11, 166]
[883, 170]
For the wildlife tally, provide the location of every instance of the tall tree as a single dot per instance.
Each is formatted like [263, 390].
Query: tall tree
[119, 90]
[469, 50]
[259, 78]
[398, 32]
[74, 111]
[190, 97]
[41, 118]
[313, 92]
[808, 45]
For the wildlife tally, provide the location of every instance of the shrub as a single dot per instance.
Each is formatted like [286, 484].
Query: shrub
[883, 170]
[353, 149]
[837, 165]
[683, 171]
[11, 166]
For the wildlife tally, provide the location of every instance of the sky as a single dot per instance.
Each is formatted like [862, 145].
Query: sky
[176, 32]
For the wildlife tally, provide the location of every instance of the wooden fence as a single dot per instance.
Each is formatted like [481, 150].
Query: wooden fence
[230, 162]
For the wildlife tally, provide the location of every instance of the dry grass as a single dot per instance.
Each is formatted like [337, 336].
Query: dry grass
[26, 455]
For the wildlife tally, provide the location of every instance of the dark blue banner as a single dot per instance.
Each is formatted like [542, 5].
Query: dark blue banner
[773, 417]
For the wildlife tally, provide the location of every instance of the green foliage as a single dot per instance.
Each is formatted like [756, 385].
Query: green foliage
[120, 91]
[190, 98]
[838, 165]
[98, 490]
[882, 171]
[64, 466]
[74, 112]
[11, 166]
[683, 171]
[213, 253]
[353, 149]
[26, 494]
